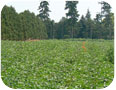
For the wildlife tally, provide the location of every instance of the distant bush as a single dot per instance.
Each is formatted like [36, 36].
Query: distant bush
[66, 36]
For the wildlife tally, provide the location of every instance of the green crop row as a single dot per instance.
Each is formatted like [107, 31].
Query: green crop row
[54, 64]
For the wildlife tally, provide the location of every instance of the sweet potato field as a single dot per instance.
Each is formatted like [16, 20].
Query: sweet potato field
[57, 64]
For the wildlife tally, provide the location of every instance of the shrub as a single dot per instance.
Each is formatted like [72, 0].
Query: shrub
[110, 55]
[66, 36]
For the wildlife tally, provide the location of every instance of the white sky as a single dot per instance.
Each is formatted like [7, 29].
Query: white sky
[57, 7]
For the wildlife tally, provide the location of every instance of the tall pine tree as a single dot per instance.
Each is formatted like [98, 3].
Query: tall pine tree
[44, 16]
[72, 15]
[89, 25]
[107, 19]
[44, 10]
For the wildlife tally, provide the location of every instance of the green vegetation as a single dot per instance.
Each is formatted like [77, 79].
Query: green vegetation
[21, 26]
[27, 25]
[57, 64]
[110, 55]
[32, 57]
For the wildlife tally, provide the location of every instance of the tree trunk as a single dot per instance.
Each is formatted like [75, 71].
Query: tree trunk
[72, 32]
[91, 33]
[110, 32]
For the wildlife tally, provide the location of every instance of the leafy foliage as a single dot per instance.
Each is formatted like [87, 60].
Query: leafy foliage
[27, 25]
[21, 26]
[72, 11]
[110, 55]
[51, 64]
[108, 23]
[44, 10]
[72, 15]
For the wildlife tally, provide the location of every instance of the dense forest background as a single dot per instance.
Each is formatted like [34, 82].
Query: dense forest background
[27, 25]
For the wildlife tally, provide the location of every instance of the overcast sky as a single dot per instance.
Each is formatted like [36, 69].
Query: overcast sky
[57, 7]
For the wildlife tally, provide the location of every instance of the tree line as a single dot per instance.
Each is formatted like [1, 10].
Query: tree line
[27, 25]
